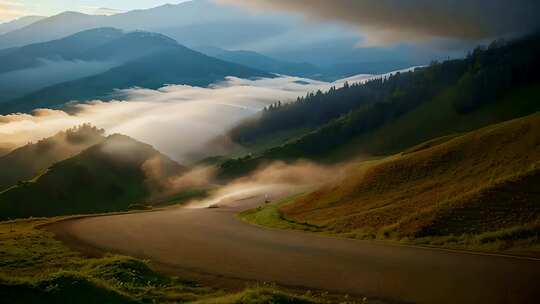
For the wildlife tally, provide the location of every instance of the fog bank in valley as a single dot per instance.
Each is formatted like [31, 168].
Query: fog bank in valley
[178, 120]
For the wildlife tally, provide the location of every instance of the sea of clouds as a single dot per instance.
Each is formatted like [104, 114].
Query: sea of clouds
[178, 120]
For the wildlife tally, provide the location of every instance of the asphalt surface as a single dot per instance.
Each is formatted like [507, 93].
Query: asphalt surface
[214, 245]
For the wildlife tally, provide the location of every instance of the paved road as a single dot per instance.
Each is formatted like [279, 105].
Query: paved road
[214, 243]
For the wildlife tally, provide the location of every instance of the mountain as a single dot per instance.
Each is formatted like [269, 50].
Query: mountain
[109, 176]
[51, 28]
[74, 47]
[19, 23]
[33, 159]
[476, 187]
[200, 22]
[386, 116]
[80, 55]
[175, 65]
[263, 63]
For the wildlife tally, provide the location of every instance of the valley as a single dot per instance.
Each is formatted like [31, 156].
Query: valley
[269, 152]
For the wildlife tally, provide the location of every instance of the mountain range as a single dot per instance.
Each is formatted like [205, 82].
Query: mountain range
[205, 23]
[19, 23]
[265, 63]
[101, 61]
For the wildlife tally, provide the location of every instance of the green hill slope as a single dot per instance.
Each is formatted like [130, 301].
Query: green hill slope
[109, 176]
[387, 116]
[28, 161]
[486, 182]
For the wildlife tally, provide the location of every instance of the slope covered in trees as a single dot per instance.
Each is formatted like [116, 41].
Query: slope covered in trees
[34, 158]
[109, 176]
[385, 116]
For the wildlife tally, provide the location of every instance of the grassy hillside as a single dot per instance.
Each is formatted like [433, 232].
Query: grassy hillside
[28, 161]
[36, 268]
[109, 176]
[480, 187]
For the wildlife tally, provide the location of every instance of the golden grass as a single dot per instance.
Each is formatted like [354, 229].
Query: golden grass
[483, 181]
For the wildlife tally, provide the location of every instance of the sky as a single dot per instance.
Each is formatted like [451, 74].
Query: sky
[384, 22]
[12, 9]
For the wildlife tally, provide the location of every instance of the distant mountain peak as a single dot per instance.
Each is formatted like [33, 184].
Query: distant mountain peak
[146, 34]
[71, 14]
[19, 23]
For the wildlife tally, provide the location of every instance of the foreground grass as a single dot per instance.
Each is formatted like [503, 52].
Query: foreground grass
[36, 268]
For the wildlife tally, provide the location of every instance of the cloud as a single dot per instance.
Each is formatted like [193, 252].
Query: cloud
[10, 10]
[390, 21]
[183, 122]
[96, 10]
[274, 181]
[178, 120]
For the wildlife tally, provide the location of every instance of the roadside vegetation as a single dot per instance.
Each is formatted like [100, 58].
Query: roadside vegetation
[36, 268]
[450, 192]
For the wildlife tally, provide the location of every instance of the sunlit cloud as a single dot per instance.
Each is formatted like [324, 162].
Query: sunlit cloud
[10, 10]
[178, 120]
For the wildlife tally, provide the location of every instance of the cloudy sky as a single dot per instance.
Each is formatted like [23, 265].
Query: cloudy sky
[11, 9]
[381, 22]
[388, 21]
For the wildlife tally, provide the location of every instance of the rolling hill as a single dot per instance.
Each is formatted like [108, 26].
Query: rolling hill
[109, 176]
[32, 159]
[452, 186]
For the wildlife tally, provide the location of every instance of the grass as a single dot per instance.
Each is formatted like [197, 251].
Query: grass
[36, 268]
[259, 295]
[519, 240]
[477, 191]
[270, 216]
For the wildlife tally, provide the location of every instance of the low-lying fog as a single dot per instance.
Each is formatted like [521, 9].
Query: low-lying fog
[49, 72]
[178, 120]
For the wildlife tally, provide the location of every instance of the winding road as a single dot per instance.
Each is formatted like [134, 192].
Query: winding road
[213, 244]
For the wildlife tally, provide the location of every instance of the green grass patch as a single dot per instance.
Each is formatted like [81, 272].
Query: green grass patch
[260, 295]
[269, 215]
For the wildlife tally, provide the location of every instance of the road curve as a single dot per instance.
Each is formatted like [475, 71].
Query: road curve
[213, 242]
